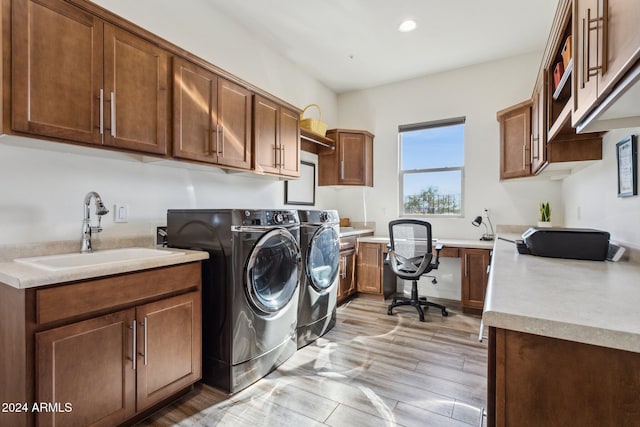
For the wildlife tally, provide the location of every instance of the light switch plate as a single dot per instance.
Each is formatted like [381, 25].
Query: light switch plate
[121, 212]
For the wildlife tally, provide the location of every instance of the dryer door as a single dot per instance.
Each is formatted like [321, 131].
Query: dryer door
[273, 271]
[323, 256]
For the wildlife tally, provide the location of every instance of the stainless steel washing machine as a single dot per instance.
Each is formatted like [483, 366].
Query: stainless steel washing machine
[320, 247]
[249, 289]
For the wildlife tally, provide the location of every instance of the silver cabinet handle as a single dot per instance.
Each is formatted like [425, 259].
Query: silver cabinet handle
[113, 114]
[220, 148]
[144, 353]
[134, 342]
[341, 169]
[275, 156]
[101, 97]
[480, 334]
[282, 156]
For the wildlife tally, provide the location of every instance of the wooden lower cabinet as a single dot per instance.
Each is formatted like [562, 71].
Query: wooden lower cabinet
[370, 271]
[169, 347]
[347, 283]
[475, 275]
[542, 381]
[102, 351]
[87, 368]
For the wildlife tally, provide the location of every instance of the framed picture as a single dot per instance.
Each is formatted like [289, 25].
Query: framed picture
[627, 156]
[302, 191]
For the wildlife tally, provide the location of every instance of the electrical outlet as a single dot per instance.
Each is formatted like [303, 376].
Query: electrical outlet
[121, 212]
[161, 236]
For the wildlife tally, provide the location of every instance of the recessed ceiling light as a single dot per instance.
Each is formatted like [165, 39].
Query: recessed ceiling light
[408, 25]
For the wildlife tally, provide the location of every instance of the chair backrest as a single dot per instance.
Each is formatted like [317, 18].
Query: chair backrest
[410, 246]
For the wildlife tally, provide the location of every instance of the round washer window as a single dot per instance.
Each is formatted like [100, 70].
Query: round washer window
[323, 257]
[273, 271]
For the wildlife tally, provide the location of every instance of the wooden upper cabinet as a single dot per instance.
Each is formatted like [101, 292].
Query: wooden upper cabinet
[234, 125]
[57, 71]
[538, 127]
[136, 96]
[351, 163]
[619, 38]
[607, 45]
[289, 142]
[515, 141]
[211, 117]
[69, 66]
[276, 133]
[195, 98]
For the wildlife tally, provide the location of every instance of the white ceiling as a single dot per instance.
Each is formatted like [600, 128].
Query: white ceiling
[354, 44]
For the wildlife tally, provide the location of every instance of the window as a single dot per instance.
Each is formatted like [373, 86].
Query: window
[432, 167]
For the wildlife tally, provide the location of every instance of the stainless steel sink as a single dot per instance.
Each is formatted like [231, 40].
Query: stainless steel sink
[79, 260]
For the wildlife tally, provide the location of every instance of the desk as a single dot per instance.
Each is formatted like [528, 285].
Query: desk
[475, 256]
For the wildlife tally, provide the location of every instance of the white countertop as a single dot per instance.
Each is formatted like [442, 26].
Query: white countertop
[592, 302]
[23, 276]
[452, 243]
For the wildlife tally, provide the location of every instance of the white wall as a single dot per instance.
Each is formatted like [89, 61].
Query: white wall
[476, 92]
[591, 199]
[42, 189]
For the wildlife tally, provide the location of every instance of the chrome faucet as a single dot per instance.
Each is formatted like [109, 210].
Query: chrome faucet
[87, 228]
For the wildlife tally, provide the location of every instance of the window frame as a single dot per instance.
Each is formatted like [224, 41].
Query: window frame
[401, 172]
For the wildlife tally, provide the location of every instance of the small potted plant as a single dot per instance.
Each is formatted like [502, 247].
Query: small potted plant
[545, 215]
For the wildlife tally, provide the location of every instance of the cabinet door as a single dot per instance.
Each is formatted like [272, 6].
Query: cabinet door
[136, 92]
[195, 97]
[352, 157]
[57, 71]
[515, 141]
[266, 135]
[585, 57]
[619, 39]
[169, 347]
[369, 268]
[347, 283]
[474, 277]
[289, 143]
[538, 126]
[234, 120]
[89, 366]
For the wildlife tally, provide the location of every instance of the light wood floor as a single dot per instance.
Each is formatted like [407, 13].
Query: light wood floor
[369, 370]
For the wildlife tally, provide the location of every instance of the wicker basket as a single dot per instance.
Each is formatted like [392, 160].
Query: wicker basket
[313, 125]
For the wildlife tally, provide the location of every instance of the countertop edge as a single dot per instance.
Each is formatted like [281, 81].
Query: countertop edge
[583, 334]
[452, 243]
[22, 276]
[587, 302]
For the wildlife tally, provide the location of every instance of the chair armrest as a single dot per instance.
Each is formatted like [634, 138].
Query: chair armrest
[436, 262]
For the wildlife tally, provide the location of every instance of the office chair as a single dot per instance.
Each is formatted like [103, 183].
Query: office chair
[410, 257]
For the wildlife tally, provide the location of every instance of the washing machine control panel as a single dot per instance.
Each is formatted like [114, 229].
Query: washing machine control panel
[267, 217]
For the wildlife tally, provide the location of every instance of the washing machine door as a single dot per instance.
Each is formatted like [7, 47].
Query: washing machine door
[273, 271]
[323, 256]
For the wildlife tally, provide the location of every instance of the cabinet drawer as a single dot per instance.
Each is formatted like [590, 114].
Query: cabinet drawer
[347, 243]
[448, 252]
[90, 296]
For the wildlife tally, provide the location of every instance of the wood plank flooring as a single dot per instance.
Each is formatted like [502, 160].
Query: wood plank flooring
[371, 369]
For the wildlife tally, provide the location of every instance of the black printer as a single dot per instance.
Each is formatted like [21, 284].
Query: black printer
[570, 243]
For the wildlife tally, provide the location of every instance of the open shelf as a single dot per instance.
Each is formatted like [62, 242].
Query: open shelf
[317, 141]
[566, 77]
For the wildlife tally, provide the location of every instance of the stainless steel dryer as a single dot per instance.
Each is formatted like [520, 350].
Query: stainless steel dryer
[320, 247]
[249, 289]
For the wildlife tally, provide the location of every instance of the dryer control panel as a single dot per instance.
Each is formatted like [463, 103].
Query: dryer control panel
[270, 217]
